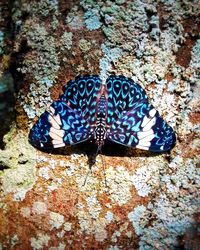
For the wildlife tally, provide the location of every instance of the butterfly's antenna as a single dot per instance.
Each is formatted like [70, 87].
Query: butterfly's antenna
[89, 170]
[104, 172]
[91, 162]
[99, 151]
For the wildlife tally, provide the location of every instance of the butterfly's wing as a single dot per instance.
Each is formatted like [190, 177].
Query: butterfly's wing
[81, 94]
[139, 124]
[58, 126]
[68, 121]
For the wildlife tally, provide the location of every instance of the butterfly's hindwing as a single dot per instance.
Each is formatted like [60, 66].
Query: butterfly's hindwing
[142, 127]
[59, 126]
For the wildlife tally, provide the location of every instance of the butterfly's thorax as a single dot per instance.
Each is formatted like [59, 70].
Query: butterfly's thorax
[101, 116]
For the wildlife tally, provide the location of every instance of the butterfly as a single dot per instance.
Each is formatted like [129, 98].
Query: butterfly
[117, 110]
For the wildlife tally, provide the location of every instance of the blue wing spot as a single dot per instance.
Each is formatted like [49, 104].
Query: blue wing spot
[122, 137]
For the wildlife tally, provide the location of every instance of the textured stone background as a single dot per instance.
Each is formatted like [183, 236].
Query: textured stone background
[150, 201]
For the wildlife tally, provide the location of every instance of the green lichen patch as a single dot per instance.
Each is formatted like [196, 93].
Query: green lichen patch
[195, 62]
[84, 45]
[43, 61]
[146, 178]
[19, 159]
[40, 241]
[41, 64]
[92, 19]
[56, 220]
[66, 41]
[171, 208]
[74, 19]
[119, 185]
[146, 201]
[37, 42]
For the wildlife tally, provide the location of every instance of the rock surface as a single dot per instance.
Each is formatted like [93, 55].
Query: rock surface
[131, 199]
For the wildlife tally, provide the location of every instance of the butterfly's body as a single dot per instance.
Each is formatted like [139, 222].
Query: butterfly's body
[118, 110]
[100, 128]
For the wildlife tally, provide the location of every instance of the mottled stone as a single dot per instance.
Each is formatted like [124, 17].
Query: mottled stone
[128, 199]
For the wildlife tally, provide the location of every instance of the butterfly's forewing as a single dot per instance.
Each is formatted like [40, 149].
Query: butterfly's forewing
[80, 94]
[139, 124]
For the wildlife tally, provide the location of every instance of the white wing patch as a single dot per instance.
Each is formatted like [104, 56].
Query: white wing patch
[146, 135]
[53, 122]
[51, 110]
[57, 144]
[143, 134]
[150, 124]
[56, 133]
[145, 121]
[55, 136]
[57, 119]
[152, 112]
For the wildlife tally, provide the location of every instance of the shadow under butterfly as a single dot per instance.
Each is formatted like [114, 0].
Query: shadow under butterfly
[88, 110]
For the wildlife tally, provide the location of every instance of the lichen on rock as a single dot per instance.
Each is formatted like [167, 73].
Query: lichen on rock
[19, 164]
[128, 199]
